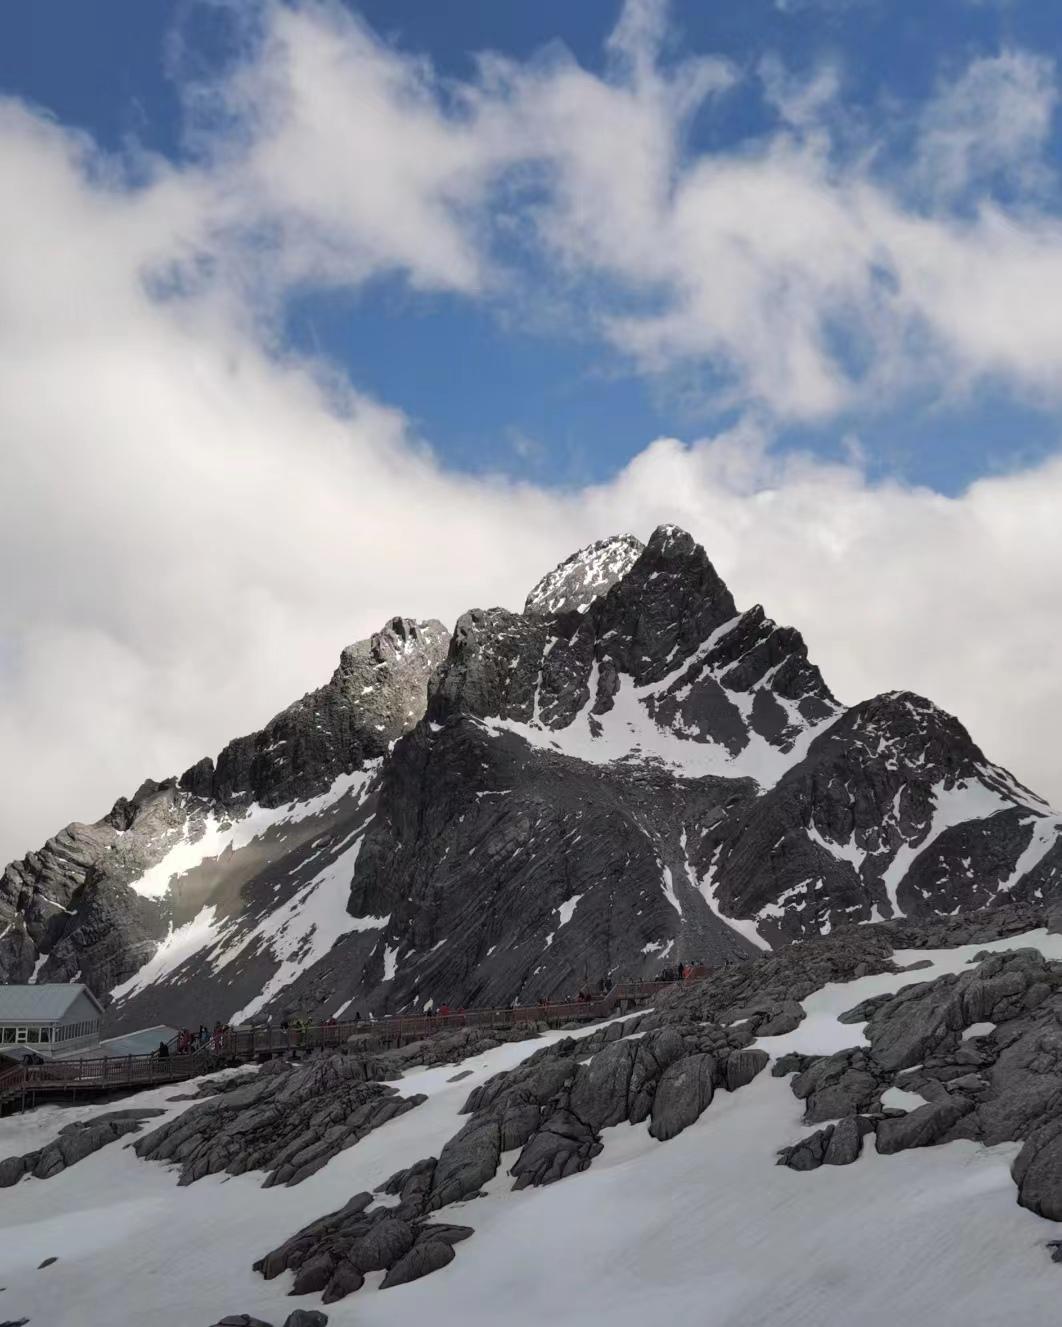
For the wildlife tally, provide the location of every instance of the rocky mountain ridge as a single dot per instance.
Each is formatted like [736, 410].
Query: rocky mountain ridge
[630, 772]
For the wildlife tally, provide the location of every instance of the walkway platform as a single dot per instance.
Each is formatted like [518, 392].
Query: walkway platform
[113, 1072]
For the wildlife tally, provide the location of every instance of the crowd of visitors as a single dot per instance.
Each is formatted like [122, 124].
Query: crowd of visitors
[191, 1039]
[680, 972]
[195, 1039]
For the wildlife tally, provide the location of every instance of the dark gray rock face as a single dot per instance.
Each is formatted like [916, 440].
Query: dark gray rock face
[333, 1254]
[73, 900]
[376, 694]
[585, 576]
[684, 1092]
[75, 1142]
[289, 1124]
[837, 1145]
[553, 1107]
[983, 1048]
[483, 847]
[630, 772]
[855, 821]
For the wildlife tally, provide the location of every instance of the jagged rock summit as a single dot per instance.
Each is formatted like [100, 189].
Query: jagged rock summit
[581, 578]
[631, 771]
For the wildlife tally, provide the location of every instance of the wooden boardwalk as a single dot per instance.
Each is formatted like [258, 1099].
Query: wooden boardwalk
[25, 1085]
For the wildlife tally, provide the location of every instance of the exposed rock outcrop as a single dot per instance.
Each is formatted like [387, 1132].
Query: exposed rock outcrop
[631, 772]
[289, 1124]
[75, 1142]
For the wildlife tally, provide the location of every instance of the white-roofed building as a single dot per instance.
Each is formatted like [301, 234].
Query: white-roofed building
[53, 1019]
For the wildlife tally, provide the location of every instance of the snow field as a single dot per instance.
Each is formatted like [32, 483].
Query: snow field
[703, 1229]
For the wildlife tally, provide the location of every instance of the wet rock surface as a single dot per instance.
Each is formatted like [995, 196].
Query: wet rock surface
[288, 1123]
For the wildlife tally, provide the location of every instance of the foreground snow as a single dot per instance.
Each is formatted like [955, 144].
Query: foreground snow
[703, 1229]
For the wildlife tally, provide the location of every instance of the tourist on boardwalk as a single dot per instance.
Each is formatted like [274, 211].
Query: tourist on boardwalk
[219, 1037]
[164, 1051]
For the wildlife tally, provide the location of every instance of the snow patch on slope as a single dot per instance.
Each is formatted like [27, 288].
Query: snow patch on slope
[179, 945]
[628, 733]
[707, 885]
[305, 928]
[659, 1230]
[952, 806]
[1045, 835]
[221, 834]
[566, 909]
[585, 576]
[296, 933]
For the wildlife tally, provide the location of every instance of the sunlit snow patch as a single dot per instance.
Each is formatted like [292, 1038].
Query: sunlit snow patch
[180, 944]
[628, 731]
[304, 929]
[218, 835]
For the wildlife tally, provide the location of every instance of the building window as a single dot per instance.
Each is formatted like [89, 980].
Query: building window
[46, 1035]
[8, 1035]
[33, 1036]
[20, 1035]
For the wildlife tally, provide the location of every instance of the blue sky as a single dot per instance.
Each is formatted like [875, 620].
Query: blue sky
[497, 388]
[310, 316]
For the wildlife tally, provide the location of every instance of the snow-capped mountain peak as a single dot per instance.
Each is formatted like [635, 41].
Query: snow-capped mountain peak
[585, 576]
[631, 772]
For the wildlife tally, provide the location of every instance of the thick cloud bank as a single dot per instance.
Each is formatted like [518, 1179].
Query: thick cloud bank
[192, 524]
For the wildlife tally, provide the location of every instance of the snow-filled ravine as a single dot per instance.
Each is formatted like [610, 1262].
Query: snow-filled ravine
[703, 1229]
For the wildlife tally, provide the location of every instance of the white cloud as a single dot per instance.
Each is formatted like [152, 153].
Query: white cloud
[329, 157]
[193, 526]
[991, 122]
[340, 159]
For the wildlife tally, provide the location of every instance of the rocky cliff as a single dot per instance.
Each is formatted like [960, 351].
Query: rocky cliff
[631, 771]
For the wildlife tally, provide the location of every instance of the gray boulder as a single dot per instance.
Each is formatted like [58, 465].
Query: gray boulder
[1037, 1171]
[425, 1257]
[837, 1085]
[466, 1162]
[685, 1091]
[289, 1123]
[922, 1127]
[837, 1145]
[742, 1067]
[563, 1146]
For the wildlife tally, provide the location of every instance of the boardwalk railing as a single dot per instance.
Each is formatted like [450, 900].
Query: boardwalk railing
[110, 1074]
[247, 1042]
[120, 1073]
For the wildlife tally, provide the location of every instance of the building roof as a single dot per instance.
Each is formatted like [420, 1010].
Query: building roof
[44, 1003]
[144, 1042]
